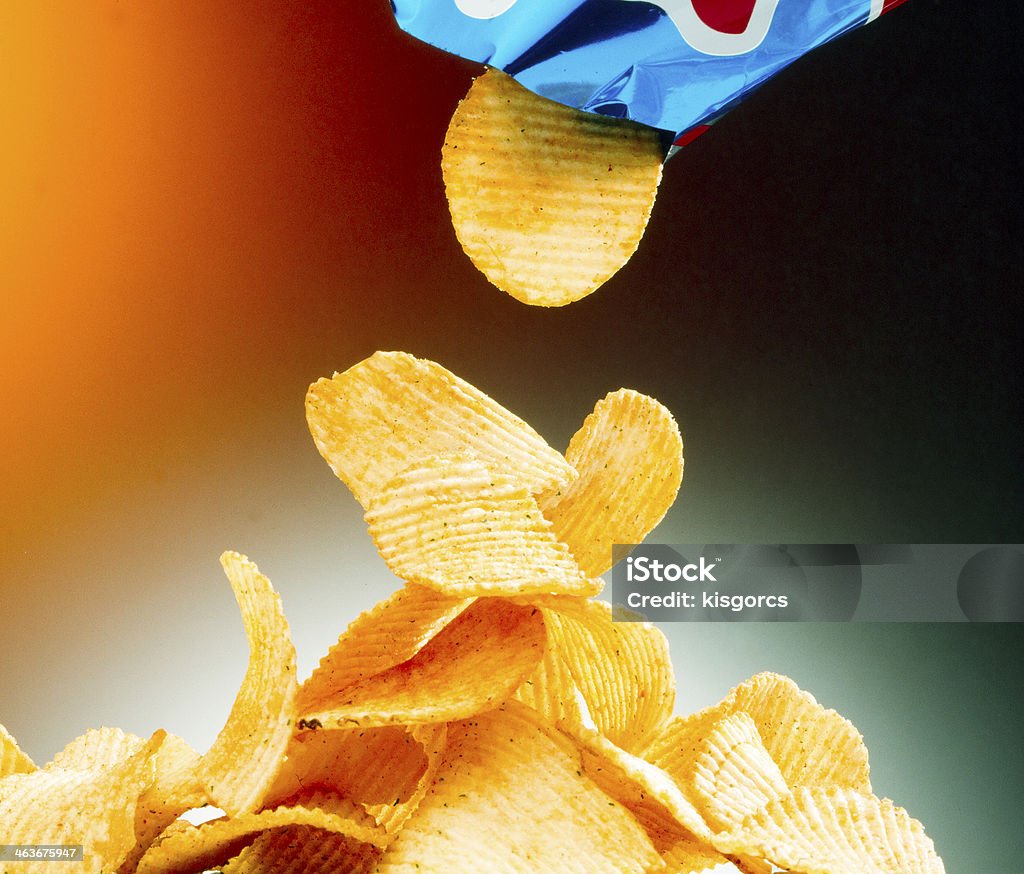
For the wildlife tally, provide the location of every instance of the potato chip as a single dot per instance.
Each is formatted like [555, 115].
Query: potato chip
[389, 634]
[622, 669]
[511, 796]
[691, 857]
[244, 759]
[474, 664]
[303, 849]
[733, 773]
[833, 831]
[190, 850]
[392, 410]
[460, 528]
[812, 746]
[92, 807]
[97, 748]
[644, 789]
[175, 789]
[629, 455]
[12, 759]
[548, 201]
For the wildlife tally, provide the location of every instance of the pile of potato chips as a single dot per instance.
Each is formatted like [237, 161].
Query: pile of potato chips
[489, 715]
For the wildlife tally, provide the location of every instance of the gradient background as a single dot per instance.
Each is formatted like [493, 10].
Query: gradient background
[204, 208]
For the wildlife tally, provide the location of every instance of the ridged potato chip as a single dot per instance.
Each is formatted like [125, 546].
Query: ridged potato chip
[547, 201]
[835, 830]
[622, 669]
[733, 773]
[511, 796]
[389, 634]
[692, 857]
[456, 526]
[92, 807]
[812, 746]
[244, 759]
[392, 410]
[472, 665]
[97, 748]
[629, 455]
[12, 759]
[303, 849]
[193, 849]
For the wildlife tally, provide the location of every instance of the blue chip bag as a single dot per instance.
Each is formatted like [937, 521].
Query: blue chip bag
[677, 65]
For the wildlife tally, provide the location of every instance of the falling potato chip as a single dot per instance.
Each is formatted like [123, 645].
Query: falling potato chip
[61, 806]
[392, 410]
[630, 458]
[511, 796]
[812, 746]
[473, 665]
[12, 759]
[245, 757]
[389, 634]
[190, 850]
[460, 528]
[622, 669]
[303, 849]
[548, 201]
[833, 831]
[733, 773]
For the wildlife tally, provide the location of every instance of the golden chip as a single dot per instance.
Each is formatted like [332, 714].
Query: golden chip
[97, 748]
[474, 664]
[812, 746]
[548, 201]
[687, 856]
[622, 669]
[629, 455]
[192, 849]
[511, 796]
[389, 634]
[835, 830]
[247, 754]
[733, 773]
[92, 807]
[391, 410]
[303, 849]
[460, 528]
[12, 759]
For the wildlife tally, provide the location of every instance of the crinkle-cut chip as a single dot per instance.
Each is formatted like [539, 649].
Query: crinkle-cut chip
[348, 761]
[12, 759]
[622, 669]
[391, 817]
[547, 201]
[473, 664]
[835, 830]
[456, 526]
[510, 798]
[303, 849]
[245, 757]
[811, 745]
[389, 634]
[191, 850]
[175, 789]
[629, 455]
[550, 689]
[687, 856]
[391, 410]
[650, 794]
[733, 774]
[94, 807]
[97, 748]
